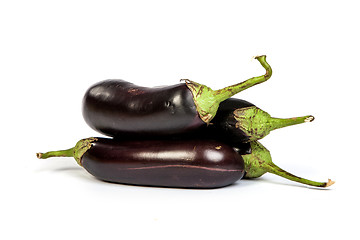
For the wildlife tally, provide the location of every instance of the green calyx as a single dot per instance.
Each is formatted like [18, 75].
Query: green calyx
[76, 152]
[257, 123]
[259, 162]
[207, 100]
[81, 147]
[256, 161]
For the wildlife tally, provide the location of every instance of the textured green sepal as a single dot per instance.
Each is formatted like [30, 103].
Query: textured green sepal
[253, 121]
[255, 162]
[256, 123]
[204, 99]
[81, 147]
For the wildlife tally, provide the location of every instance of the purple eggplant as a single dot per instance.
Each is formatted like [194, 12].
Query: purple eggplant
[172, 163]
[118, 108]
[175, 163]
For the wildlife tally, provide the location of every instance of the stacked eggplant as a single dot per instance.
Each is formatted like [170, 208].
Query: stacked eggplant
[186, 135]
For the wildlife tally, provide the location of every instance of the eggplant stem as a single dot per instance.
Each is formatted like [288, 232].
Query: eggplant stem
[259, 162]
[272, 168]
[227, 92]
[60, 153]
[277, 123]
[76, 152]
[207, 100]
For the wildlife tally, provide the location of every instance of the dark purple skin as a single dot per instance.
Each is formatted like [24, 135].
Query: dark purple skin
[181, 164]
[119, 108]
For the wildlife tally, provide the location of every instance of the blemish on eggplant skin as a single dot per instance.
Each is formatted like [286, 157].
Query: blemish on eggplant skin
[218, 147]
[135, 91]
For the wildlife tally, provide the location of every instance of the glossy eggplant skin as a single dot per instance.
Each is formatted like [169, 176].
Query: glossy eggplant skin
[119, 108]
[173, 163]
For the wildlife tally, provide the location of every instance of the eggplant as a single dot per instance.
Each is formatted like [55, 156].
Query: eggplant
[175, 163]
[119, 108]
[172, 163]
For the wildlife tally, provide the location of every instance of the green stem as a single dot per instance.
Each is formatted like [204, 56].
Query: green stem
[272, 168]
[76, 152]
[276, 123]
[60, 153]
[259, 162]
[207, 100]
[227, 92]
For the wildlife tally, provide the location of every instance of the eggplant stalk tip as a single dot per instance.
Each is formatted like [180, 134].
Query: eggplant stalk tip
[329, 183]
[276, 123]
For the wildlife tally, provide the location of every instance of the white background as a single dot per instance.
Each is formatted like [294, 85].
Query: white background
[52, 51]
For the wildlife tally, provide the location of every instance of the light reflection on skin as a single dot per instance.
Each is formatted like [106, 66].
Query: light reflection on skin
[169, 155]
[213, 155]
[175, 155]
[177, 100]
[100, 92]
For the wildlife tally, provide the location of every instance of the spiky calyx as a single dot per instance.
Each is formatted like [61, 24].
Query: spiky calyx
[256, 123]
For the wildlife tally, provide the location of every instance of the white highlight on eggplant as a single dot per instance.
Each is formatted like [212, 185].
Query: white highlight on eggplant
[100, 92]
[169, 155]
[214, 155]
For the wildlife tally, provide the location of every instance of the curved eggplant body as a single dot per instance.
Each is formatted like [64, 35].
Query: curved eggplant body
[119, 108]
[183, 164]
